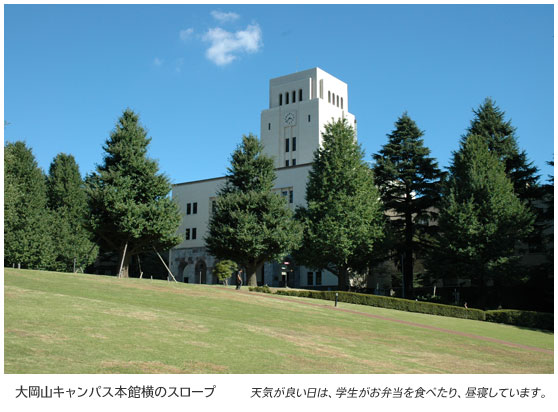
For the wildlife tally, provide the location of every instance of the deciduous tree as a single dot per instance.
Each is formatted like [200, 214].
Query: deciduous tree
[27, 223]
[343, 220]
[67, 201]
[251, 224]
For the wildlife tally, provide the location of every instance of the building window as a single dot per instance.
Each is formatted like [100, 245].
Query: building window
[333, 98]
[189, 209]
[308, 118]
[187, 236]
[318, 278]
[321, 88]
[287, 98]
[294, 144]
[213, 205]
[194, 208]
[310, 280]
[284, 193]
[341, 103]
[286, 145]
[286, 163]
[328, 96]
[269, 126]
[294, 96]
[294, 162]
[280, 99]
[194, 232]
[338, 101]
[299, 95]
[291, 193]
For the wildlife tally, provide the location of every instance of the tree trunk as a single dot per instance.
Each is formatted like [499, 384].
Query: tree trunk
[252, 273]
[126, 263]
[343, 278]
[408, 256]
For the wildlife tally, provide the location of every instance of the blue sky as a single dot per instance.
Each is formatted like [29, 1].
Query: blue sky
[198, 75]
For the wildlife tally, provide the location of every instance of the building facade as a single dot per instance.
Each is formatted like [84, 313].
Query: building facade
[300, 105]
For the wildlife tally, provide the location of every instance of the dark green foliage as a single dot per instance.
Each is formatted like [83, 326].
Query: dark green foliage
[481, 219]
[499, 134]
[67, 202]
[129, 200]
[27, 224]
[343, 220]
[250, 170]
[261, 289]
[250, 224]
[224, 269]
[409, 184]
[529, 319]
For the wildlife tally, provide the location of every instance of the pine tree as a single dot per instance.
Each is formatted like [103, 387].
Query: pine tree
[131, 211]
[27, 235]
[409, 184]
[499, 134]
[481, 218]
[67, 201]
[251, 224]
[343, 219]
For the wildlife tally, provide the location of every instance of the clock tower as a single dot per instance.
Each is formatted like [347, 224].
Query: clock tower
[300, 104]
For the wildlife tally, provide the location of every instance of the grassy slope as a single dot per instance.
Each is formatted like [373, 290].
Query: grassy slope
[64, 323]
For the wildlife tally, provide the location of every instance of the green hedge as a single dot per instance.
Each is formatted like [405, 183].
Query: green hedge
[390, 303]
[537, 320]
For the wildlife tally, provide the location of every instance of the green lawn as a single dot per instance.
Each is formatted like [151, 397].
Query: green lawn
[66, 323]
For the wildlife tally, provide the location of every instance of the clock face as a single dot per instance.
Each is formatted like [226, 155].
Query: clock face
[290, 118]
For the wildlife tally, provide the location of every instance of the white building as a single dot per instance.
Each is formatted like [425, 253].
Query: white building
[300, 104]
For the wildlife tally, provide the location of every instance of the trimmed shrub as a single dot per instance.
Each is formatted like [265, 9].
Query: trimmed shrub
[390, 303]
[536, 320]
[261, 289]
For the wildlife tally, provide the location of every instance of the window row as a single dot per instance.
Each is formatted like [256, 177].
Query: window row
[310, 280]
[332, 98]
[191, 234]
[293, 163]
[290, 143]
[192, 208]
[292, 95]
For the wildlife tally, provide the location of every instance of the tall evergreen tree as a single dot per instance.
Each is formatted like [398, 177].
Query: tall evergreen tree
[251, 224]
[499, 134]
[481, 218]
[27, 236]
[131, 211]
[409, 183]
[343, 219]
[67, 201]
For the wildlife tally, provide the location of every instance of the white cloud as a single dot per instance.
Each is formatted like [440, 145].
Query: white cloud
[186, 34]
[157, 61]
[226, 45]
[224, 17]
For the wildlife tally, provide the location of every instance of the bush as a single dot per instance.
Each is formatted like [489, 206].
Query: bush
[390, 303]
[536, 320]
[262, 289]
